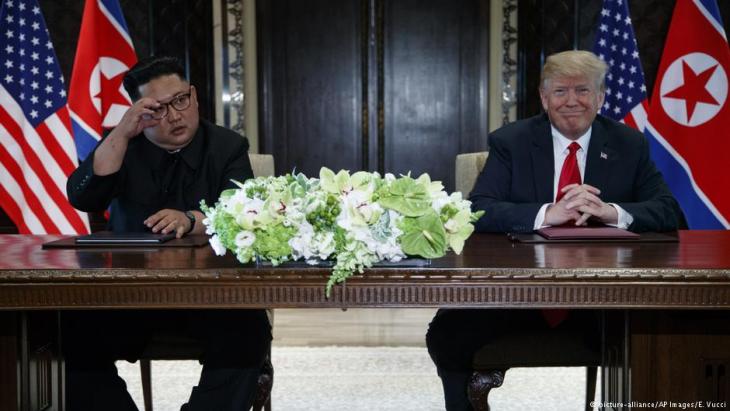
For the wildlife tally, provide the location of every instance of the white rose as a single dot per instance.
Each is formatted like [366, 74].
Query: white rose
[217, 246]
[245, 239]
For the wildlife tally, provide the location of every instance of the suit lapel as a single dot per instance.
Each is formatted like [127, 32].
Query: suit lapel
[542, 160]
[600, 155]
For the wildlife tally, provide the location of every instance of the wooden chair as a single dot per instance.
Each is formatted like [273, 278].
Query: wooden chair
[529, 348]
[175, 348]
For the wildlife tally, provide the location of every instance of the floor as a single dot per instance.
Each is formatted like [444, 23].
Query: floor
[362, 360]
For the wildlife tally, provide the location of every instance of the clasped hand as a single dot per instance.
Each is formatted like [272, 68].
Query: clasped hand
[580, 203]
[168, 220]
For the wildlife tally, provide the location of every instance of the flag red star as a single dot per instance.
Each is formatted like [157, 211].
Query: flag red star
[694, 89]
[110, 94]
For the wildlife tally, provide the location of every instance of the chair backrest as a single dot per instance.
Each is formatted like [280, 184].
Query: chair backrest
[262, 164]
[468, 167]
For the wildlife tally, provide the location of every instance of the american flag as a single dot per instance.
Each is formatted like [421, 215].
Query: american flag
[37, 151]
[626, 98]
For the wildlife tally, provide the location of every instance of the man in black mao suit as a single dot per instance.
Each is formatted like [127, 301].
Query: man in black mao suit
[153, 169]
[519, 190]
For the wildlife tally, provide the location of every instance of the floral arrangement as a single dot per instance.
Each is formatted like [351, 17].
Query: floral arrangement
[356, 220]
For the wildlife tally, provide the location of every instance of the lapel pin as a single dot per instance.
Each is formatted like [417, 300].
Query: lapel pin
[604, 155]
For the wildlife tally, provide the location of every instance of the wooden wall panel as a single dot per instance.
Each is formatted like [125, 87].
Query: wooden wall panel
[373, 84]
[434, 85]
[311, 104]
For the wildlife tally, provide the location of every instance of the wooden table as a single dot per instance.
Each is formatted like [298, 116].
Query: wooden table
[627, 279]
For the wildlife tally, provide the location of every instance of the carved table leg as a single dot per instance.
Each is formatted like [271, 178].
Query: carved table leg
[480, 383]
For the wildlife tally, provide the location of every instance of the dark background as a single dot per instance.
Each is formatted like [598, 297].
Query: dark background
[386, 85]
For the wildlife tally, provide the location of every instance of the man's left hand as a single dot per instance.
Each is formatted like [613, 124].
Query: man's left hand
[168, 220]
[582, 199]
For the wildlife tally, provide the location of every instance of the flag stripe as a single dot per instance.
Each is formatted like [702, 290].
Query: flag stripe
[14, 172]
[60, 125]
[12, 209]
[46, 185]
[695, 202]
[86, 138]
[711, 18]
[629, 121]
[639, 114]
[57, 153]
[113, 20]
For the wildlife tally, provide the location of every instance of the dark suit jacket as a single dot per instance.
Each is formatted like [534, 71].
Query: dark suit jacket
[518, 176]
[151, 179]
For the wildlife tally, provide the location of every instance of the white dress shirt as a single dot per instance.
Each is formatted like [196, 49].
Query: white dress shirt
[560, 151]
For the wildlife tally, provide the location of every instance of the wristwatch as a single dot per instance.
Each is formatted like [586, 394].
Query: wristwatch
[189, 214]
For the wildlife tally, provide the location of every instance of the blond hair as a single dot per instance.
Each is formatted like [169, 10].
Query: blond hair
[574, 63]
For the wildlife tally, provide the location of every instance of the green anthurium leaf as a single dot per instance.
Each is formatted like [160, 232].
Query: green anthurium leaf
[475, 216]
[225, 194]
[327, 180]
[457, 239]
[361, 179]
[423, 236]
[407, 197]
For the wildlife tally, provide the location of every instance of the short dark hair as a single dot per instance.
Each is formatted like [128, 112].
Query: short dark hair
[149, 69]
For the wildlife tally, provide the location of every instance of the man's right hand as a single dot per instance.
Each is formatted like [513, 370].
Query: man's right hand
[109, 155]
[566, 210]
[137, 118]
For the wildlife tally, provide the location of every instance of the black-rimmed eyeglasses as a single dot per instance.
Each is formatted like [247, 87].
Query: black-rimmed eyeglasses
[179, 103]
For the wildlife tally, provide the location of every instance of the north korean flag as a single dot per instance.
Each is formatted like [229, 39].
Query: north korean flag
[104, 54]
[689, 115]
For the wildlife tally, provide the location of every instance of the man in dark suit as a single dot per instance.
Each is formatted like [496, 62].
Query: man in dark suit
[568, 166]
[153, 170]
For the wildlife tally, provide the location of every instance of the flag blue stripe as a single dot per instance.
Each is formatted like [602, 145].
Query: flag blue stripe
[85, 142]
[711, 7]
[699, 216]
[116, 10]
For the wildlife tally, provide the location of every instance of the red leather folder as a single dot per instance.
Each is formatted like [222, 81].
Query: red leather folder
[587, 233]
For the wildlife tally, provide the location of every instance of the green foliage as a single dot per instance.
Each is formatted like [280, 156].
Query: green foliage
[407, 197]
[423, 236]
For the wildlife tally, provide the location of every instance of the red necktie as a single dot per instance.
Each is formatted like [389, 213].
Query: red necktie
[570, 174]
